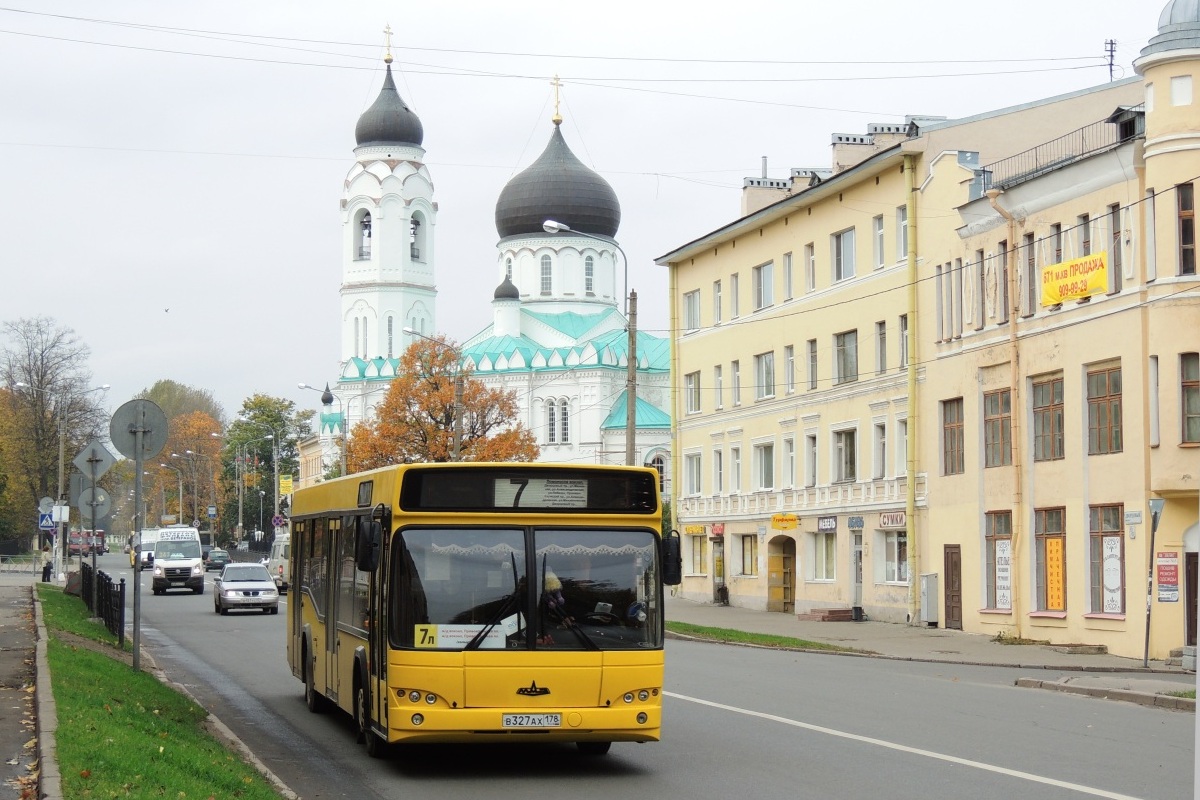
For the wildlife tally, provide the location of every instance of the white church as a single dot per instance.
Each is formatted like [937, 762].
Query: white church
[558, 335]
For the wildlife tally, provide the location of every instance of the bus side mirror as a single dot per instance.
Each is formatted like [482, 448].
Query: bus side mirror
[367, 542]
[672, 555]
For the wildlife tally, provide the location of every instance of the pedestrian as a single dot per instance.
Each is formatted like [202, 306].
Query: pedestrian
[47, 563]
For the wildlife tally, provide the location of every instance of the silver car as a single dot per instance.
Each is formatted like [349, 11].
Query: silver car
[245, 586]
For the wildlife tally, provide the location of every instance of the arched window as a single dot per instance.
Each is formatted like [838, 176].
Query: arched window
[390, 334]
[364, 337]
[357, 342]
[660, 464]
[550, 427]
[546, 283]
[416, 237]
[362, 237]
[563, 417]
[589, 274]
[508, 268]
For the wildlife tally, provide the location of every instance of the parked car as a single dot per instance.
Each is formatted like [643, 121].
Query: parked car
[245, 586]
[216, 559]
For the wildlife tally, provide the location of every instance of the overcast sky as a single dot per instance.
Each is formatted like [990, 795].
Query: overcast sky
[190, 156]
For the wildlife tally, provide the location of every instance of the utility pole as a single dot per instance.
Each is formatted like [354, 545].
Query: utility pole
[456, 455]
[631, 384]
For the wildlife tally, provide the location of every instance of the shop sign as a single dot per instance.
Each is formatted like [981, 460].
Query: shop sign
[718, 529]
[784, 522]
[892, 520]
[1168, 576]
[826, 524]
[855, 523]
[693, 530]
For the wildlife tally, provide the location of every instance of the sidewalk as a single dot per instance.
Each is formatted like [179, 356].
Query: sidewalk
[23, 659]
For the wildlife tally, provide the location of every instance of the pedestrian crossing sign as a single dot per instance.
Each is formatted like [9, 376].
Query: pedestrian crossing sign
[45, 522]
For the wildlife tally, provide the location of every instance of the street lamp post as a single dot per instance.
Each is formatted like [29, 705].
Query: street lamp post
[60, 544]
[327, 398]
[274, 437]
[456, 445]
[630, 311]
[178, 472]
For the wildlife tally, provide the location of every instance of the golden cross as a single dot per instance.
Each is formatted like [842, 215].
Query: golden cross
[387, 58]
[556, 83]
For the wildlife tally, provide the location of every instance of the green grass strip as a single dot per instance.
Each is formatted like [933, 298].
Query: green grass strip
[762, 639]
[123, 733]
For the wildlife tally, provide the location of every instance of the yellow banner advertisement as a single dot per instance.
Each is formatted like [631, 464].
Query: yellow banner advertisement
[784, 522]
[1075, 279]
[285, 484]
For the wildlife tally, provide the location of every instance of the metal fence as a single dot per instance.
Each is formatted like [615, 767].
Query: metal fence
[1055, 153]
[110, 597]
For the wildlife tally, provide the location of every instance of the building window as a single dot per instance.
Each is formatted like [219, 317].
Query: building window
[789, 463]
[1032, 279]
[699, 548]
[902, 233]
[764, 286]
[1117, 251]
[718, 387]
[824, 556]
[880, 448]
[845, 351]
[659, 462]
[810, 460]
[691, 311]
[508, 268]
[691, 392]
[904, 341]
[691, 474]
[547, 283]
[880, 347]
[551, 423]
[1189, 373]
[718, 471]
[1048, 420]
[734, 308]
[735, 469]
[998, 544]
[362, 244]
[789, 368]
[1083, 231]
[1187, 228]
[1181, 90]
[877, 241]
[735, 369]
[589, 274]
[810, 267]
[901, 447]
[845, 454]
[952, 436]
[789, 289]
[564, 429]
[1051, 545]
[812, 363]
[895, 548]
[391, 323]
[764, 376]
[749, 554]
[997, 428]
[1104, 411]
[716, 302]
[1107, 544]
[1002, 289]
[764, 466]
[842, 254]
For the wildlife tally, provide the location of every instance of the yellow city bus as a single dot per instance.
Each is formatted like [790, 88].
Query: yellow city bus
[483, 602]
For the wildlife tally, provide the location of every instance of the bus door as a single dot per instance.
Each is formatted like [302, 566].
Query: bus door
[333, 543]
[295, 598]
[377, 634]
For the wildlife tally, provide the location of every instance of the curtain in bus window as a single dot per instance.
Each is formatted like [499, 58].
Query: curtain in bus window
[457, 585]
[596, 589]
[352, 584]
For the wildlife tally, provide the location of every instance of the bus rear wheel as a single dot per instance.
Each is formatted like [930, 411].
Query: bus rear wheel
[593, 748]
[311, 698]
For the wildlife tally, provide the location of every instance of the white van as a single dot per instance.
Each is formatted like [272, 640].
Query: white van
[279, 564]
[177, 560]
[140, 557]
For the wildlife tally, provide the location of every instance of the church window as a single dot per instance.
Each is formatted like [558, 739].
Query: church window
[546, 283]
[589, 274]
[508, 268]
[660, 464]
[564, 428]
[416, 237]
[362, 237]
[390, 334]
[551, 431]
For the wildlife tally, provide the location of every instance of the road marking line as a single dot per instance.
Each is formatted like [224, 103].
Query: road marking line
[906, 749]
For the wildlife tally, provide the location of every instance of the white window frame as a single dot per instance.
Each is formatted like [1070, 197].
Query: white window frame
[734, 287]
[735, 368]
[788, 281]
[877, 240]
[716, 302]
[881, 347]
[900, 447]
[764, 466]
[763, 284]
[735, 469]
[895, 559]
[824, 556]
[841, 252]
[718, 387]
[691, 474]
[691, 310]
[812, 364]
[904, 341]
[764, 375]
[547, 274]
[902, 233]
[879, 448]
[788, 462]
[718, 471]
[810, 460]
[810, 267]
[845, 357]
[789, 368]
[845, 455]
[691, 392]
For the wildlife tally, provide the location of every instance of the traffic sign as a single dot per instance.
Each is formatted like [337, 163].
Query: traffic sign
[94, 504]
[45, 522]
[45, 505]
[94, 460]
[277, 520]
[136, 417]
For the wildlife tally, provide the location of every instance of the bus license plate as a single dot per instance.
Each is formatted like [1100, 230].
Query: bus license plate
[532, 720]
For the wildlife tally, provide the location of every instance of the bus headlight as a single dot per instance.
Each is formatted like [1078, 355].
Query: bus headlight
[414, 696]
[643, 695]
[641, 718]
[418, 719]
[629, 697]
[430, 698]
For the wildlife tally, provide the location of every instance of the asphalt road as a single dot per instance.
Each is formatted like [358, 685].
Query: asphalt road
[738, 722]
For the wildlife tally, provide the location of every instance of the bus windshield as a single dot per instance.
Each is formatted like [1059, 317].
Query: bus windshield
[176, 550]
[525, 588]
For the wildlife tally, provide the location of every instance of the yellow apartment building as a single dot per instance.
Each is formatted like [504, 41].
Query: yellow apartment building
[941, 381]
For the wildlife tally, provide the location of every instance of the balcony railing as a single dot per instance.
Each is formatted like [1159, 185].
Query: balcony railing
[882, 493]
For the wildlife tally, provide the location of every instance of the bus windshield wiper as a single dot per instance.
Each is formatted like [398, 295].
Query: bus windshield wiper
[497, 615]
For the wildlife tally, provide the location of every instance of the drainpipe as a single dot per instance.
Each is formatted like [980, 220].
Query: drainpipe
[911, 456]
[1016, 404]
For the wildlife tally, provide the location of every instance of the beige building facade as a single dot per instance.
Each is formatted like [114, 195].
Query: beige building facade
[947, 380]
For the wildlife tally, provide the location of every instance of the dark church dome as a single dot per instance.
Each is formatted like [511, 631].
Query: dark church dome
[506, 291]
[559, 187]
[389, 120]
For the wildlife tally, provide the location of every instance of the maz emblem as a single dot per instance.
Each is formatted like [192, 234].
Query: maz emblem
[533, 690]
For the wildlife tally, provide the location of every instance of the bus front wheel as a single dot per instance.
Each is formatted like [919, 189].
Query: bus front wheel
[376, 747]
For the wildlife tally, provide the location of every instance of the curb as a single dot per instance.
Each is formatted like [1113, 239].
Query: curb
[50, 778]
[1129, 696]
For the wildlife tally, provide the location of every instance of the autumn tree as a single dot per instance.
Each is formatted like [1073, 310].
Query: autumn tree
[177, 399]
[415, 421]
